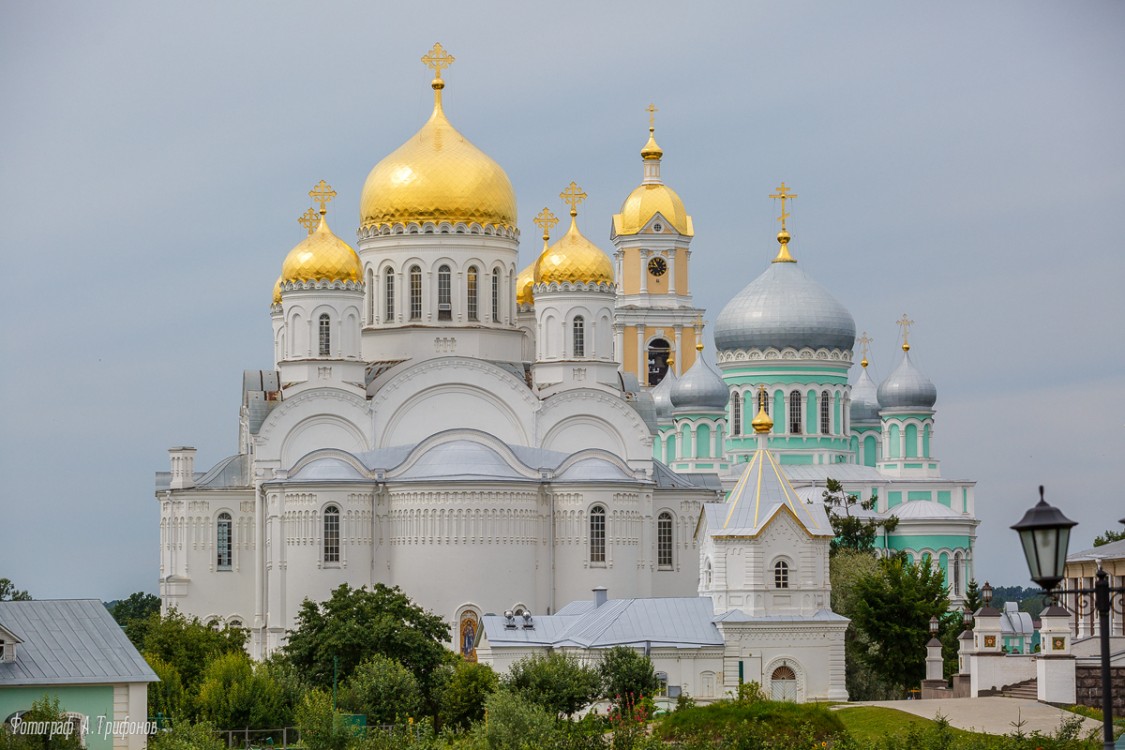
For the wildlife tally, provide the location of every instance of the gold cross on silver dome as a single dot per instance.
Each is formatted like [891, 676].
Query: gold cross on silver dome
[864, 342]
[573, 195]
[322, 194]
[904, 323]
[308, 220]
[437, 59]
[546, 221]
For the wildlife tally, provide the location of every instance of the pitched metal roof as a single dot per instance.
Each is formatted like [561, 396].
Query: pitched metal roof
[762, 491]
[68, 642]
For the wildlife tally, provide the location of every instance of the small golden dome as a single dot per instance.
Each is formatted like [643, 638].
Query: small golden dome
[762, 423]
[652, 149]
[525, 281]
[277, 292]
[322, 256]
[438, 175]
[573, 259]
[645, 202]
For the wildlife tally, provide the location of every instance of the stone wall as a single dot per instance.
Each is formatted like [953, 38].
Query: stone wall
[1089, 687]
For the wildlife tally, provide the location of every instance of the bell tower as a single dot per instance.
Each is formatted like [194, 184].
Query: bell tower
[656, 322]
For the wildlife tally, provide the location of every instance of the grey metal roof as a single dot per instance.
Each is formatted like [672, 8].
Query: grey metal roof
[1111, 551]
[232, 472]
[261, 392]
[906, 387]
[821, 615]
[68, 641]
[700, 388]
[923, 509]
[865, 399]
[784, 308]
[662, 395]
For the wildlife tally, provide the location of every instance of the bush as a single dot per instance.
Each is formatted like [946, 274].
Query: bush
[383, 690]
[183, 735]
[236, 694]
[515, 723]
[627, 675]
[321, 726]
[463, 695]
[56, 732]
[557, 682]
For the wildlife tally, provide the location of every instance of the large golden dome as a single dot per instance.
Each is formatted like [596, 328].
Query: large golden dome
[652, 197]
[573, 258]
[322, 256]
[438, 175]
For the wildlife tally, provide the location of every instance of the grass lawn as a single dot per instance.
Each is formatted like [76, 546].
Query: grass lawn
[870, 723]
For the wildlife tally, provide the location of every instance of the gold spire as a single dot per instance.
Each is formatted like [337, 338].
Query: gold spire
[322, 194]
[546, 220]
[699, 333]
[783, 237]
[904, 323]
[651, 150]
[864, 341]
[436, 60]
[762, 423]
[308, 220]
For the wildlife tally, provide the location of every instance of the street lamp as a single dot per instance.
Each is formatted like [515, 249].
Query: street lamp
[1045, 534]
[986, 594]
[934, 625]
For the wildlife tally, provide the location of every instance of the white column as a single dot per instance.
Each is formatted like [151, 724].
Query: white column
[672, 271]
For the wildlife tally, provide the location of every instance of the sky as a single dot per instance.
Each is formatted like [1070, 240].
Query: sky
[961, 162]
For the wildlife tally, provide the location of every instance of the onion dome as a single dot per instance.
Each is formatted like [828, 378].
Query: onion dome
[906, 387]
[652, 196]
[865, 399]
[277, 292]
[784, 308]
[322, 256]
[662, 392]
[438, 175]
[573, 259]
[700, 388]
[525, 280]
[761, 422]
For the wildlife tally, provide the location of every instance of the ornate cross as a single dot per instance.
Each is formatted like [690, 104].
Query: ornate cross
[573, 195]
[904, 323]
[546, 221]
[322, 194]
[784, 194]
[308, 220]
[652, 110]
[437, 59]
[864, 342]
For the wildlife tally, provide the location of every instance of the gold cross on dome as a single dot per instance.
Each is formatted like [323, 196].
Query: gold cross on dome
[573, 195]
[322, 194]
[864, 342]
[546, 221]
[308, 220]
[904, 323]
[784, 194]
[652, 110]
[437, 59]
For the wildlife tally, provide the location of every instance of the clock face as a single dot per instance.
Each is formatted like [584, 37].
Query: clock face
[657, 267]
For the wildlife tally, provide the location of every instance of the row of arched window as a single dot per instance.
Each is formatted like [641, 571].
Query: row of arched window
[386, 304]
[807, 414]
[664, 538]
[330, 541]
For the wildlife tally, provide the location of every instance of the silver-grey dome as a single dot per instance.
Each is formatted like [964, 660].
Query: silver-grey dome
[907, 388]
[661, 395]
[784, 308]
[700, 388]
[865, 399]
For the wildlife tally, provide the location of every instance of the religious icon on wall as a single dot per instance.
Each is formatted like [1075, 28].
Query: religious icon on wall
[470, 625]
[990, 641]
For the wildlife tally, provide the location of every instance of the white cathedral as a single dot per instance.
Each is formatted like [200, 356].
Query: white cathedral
[494, 441]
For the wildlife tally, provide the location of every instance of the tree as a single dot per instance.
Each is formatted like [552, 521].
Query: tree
[47, 711]
[9, 593]
[236, 694]
[846, 568]
[463, 695]
[383, 690]
[356, 624]
[322, 727]
[893, 610]
[852, 530]
[134, 614]
[557, 682]
[627, 675]
[516, 723]
[188, 644]
[184, 735]
[972, 595]
[166, 698]
[1108, 537]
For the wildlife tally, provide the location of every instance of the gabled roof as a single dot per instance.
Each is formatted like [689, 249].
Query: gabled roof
[1111, 551]
[761, 493]
[68, 642]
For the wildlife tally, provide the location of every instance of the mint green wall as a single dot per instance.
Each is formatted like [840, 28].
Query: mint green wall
[943, 497]
[702, 441]
[836, 413]
[795, 459]
[929, 541]
[964, 500]
[919, 495]
[90, 700]
[811, 413]
[893, 436]
[870, 450]
[670, 449]
[855, 445]
[893, 499]
[657, 448]
[911, 440]
[780, 418]
[926, 441]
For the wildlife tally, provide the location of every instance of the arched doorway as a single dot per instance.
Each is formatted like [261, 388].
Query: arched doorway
[658, 352]
[783, 684]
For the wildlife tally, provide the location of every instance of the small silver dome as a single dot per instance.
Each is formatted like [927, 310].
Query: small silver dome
[784, 308]
[700, 388]
[907, 388]
[661, 395]
[865, 399]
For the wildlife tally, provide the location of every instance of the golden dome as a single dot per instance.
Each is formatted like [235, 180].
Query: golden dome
[322, 256]
[524, 283]
[645, 202]
[761, 423]
[573, 259]
[277, 292]
[438, 175]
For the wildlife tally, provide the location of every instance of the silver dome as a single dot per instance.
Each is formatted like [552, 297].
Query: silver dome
[784, 308]
[865, 399]
[661, 393]
[907, 388]
[700, 388]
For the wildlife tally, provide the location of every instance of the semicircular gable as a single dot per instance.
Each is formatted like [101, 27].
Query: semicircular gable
[327, 464]
[588, 418]
[321, 431]
[311, 420]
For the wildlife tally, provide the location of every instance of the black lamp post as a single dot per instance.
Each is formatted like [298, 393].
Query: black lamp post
[1045, 534]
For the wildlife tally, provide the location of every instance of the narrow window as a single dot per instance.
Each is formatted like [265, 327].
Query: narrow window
[415, 293]
[496, 295]
[331, 534]
[597, 534]
[389, 291]
[579, 336]
[781, 575]
[795, 412]
[471, 293]
[370, 296]
[325, 335]
[444, 301]
[223, 542]
[824, 408]
[664, 540]
[957, 562]
[736, 413]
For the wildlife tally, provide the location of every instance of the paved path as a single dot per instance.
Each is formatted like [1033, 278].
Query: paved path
[992, 715]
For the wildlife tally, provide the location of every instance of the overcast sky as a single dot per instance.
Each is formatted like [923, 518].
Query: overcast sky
[961, 162]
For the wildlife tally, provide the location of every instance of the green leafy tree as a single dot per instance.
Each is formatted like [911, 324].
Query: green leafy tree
[852, 532]
[893, 610]
[166, 698]
[516, 723]
[1109, 536]
[356, 624]
[9, 592]
[235, 693]
[48, 710]
[627, 675]
[463, 695]
[322, 727]
[184, 735]
[134, 614]
[559, 683]
[846, 568]
[189, 644]
[383, 690]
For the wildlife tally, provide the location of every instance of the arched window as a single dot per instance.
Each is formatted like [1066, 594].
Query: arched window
[958, 561]
[795, 412]
[496, 294]
[331, 534]
[664, 540]
[224, 543]
[707, 573]
[658, 351]
[389, 298]
[825, 407]
[736, 413]
[415, 293]
[597, 534]
[579, 336]
[324, 336]
[370, 296]
[781, 575]
[471, 293]
[444, 294]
